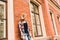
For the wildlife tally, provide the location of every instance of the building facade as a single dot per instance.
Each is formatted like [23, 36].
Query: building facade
[42, 16]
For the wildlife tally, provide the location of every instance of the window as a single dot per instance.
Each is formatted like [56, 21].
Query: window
[52, 19]
[35, 19]
[2, 20]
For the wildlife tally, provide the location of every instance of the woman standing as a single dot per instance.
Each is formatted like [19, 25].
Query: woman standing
[23, 27]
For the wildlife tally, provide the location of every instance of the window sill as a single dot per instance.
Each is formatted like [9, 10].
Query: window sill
[42, 38]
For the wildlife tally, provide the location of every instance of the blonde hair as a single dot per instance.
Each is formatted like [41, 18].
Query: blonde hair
[22, 18]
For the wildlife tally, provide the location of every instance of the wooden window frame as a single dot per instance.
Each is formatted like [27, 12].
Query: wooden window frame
[53, 23]
[4, 2]
[36, 21]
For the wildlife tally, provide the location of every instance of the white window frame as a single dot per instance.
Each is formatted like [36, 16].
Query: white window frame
[3, 3]
[54, 28]
[41, 19]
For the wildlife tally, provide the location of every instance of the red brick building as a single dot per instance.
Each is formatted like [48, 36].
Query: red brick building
[43, 17]
[44, 13]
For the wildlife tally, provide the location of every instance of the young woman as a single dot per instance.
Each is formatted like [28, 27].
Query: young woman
[23, 27]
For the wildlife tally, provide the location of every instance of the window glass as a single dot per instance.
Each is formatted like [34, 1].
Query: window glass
[32, 8]
[35, 9]
[38, 25]
[52, 19]
[34, 25]
[2, 21]
[35, 19]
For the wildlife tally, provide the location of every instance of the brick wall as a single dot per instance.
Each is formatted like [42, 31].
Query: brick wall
[21, 7]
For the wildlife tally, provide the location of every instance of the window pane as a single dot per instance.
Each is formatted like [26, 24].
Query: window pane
[32, 8]
[39, 30]
[35, 9]
[33, 18]
[38, 24]
[35, 30]
[37, 19]
[34, 24]
[52, 19]
[2, 21]
[1, 29]
[1, 11]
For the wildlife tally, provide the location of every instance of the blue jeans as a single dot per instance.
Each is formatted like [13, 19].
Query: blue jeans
[27, 36]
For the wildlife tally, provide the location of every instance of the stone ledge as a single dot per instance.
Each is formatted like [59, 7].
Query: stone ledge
[55, 3]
